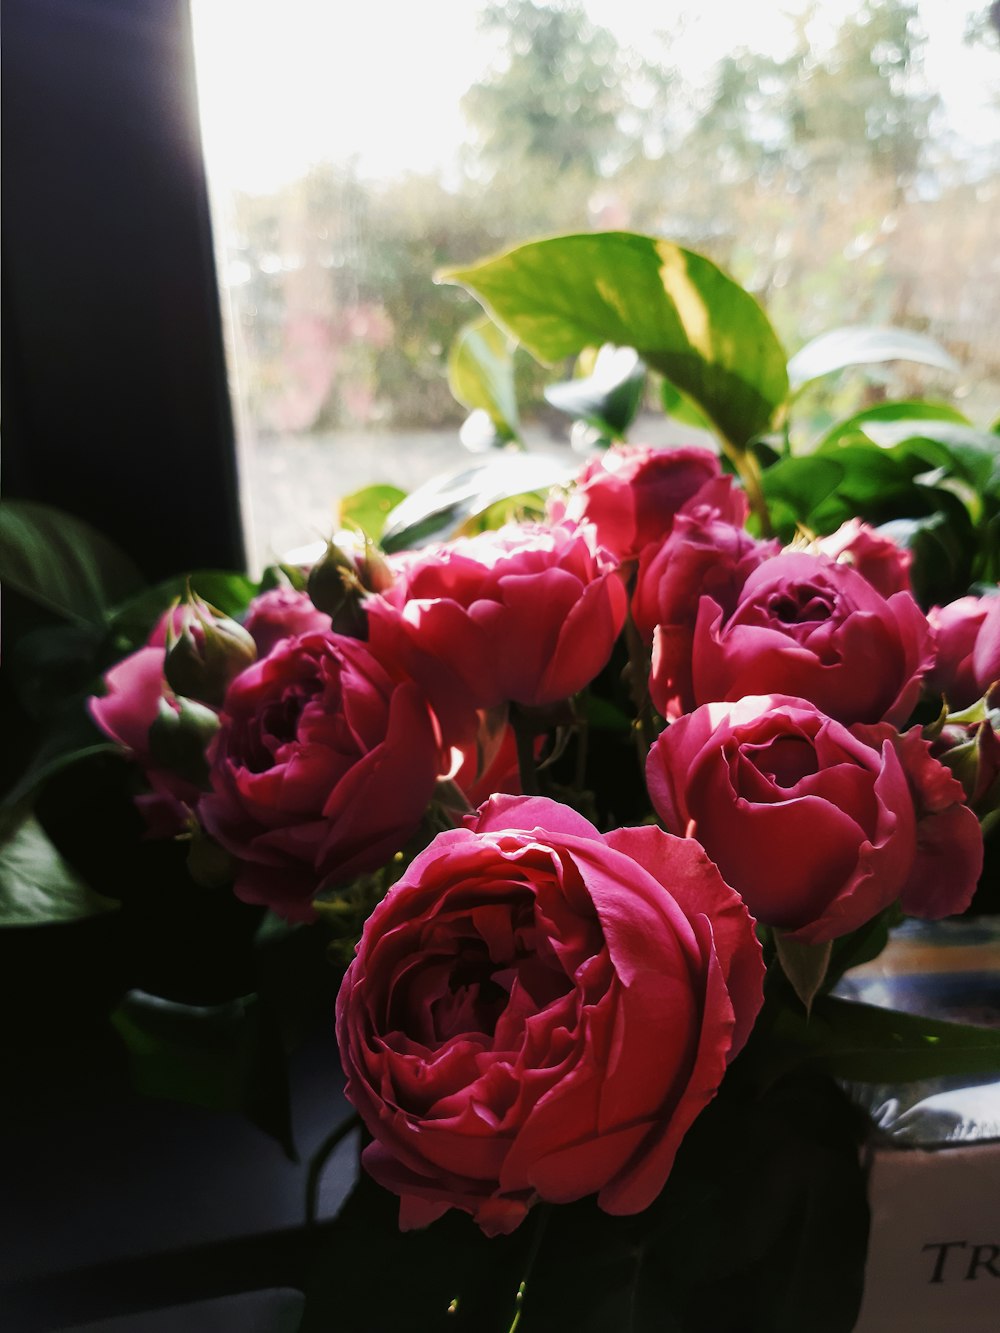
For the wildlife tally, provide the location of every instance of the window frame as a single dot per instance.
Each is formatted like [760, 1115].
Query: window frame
[116, 399]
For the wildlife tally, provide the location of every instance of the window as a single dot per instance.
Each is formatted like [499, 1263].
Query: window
[840, 160]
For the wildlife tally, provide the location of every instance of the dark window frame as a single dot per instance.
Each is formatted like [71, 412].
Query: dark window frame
[116, 402]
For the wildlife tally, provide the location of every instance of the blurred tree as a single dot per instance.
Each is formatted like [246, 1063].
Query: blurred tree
[556, 98]
[984, 26]
[794, 167]
[812, 173]
[862, 97]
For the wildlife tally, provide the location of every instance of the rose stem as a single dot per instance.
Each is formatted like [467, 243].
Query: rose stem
[524, 737]
[582, 739]
[744, 460]
[638, 682]
[543, 1212]
[319, 1160]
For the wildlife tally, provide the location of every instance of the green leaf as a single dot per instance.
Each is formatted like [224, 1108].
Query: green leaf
[527, 508]
[603, 715]
[62, 563]
[684, 317]
[481, 375]
[49, 664]
[609, 397]
[70, 737]
[283, 576]
[846, 431]
[961, 453]
[956, 434]
[861, 945]
[678, 406]
[225, 1057]
[821, 491]
[866, 1044]
[37, 887]
[794, 487]
[942, 545]
[874, 486]
[860, 345]
[805, 965]
[436, 511]
[369, 508]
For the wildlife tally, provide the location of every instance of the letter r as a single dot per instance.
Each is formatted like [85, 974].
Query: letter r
[977, 1261]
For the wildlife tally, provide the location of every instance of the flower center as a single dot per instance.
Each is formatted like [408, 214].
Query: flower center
[801, 603]
[276, 726]
[476, 995]
[785, 760]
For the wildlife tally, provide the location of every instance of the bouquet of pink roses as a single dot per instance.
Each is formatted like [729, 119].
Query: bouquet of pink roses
[602, 802]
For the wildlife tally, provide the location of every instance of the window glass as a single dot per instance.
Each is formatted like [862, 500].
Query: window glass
[840, 159]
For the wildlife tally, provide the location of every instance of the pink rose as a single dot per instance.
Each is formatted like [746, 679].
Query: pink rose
[322, 768]
[632, 492]
[708, 552]
[812, 826]
[282, 613]
[805, 626]
[885, 565]
[528, 614]
[134, 692]
[128, 708]
[968, 649]
[540, 1011]
[948, 858]
[484, 774]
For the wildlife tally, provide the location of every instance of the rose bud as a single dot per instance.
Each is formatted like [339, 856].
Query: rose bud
[205, 651]
[538, 1011]
[527, 615]
[324, 764]
[135, 694]
[968, 743]
[948, 858]
[707, 552]
[339, 583]
[812, 826]
[968, 649]
[179, 737]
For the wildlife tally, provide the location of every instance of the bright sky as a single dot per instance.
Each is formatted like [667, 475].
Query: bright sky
[284, 83]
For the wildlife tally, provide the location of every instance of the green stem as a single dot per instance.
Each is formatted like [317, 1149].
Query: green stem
[524, 737]
[582, 746]
[638, 662]
[744, 460]
[543, 1211]
[320, 1158]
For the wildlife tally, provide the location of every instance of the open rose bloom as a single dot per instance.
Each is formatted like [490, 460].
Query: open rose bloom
[815, 826]
[527, 615]
[323, 766]
[539, 1011]
[802, 625]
